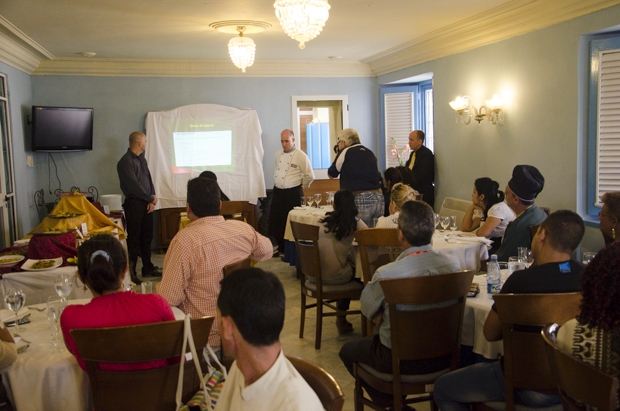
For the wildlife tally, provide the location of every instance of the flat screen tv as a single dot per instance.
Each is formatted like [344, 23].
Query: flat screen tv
[62, 128]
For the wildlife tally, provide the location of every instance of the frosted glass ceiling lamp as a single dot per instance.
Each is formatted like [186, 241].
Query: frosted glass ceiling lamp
[242, 50]
[302, 20]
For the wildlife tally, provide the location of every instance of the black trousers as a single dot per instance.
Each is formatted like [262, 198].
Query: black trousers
[282, 201]
[139, 232]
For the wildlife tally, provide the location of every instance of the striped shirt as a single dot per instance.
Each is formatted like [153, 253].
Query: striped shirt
[196, 257]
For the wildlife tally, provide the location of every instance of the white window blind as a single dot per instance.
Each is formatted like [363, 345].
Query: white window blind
[608, 129]
[398, 124]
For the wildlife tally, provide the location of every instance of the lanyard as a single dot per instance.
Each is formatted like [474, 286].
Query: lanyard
[417, 252]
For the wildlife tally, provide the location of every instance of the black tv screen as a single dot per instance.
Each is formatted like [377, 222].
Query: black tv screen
[62, 129]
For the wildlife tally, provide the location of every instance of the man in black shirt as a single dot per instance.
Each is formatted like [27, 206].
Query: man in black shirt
[140, 201]
[554, 272]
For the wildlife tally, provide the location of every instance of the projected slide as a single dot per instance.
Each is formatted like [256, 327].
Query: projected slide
[202, 148]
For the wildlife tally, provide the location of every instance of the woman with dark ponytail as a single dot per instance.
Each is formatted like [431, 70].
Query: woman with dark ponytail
[488, 214]
[102, 266]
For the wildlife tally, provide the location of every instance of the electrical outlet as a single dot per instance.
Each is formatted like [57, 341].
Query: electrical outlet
[30, 161]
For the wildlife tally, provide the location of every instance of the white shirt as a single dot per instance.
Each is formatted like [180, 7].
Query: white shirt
[280, 388]
[504, 213]
[390, 221]
[292, 169]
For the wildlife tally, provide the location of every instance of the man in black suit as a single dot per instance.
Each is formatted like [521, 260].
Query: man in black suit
[422, 164]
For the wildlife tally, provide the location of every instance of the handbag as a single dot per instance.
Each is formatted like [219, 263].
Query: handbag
[206, 397]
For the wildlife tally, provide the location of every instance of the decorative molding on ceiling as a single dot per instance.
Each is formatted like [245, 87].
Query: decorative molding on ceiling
[509, 20]
[76, 66]
[19, 50]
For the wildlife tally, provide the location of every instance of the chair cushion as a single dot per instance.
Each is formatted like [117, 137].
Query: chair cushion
[412, 378]
[501, 406]
[350, 286]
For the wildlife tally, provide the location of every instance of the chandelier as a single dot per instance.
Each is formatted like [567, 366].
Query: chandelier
[302, 20]
[241, 50]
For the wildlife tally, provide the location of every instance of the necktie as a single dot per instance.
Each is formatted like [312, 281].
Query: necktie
[412, 161]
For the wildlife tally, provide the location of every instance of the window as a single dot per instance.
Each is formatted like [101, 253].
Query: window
[405, 107]
[603, 162]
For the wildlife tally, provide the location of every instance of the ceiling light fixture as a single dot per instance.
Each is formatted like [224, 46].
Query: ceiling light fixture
[302, 20]
[241, 49]
[491, 110]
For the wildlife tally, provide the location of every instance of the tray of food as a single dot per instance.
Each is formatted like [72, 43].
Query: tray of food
[10, 260]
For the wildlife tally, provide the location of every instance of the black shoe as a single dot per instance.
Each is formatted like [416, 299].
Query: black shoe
[136, 280]
[153, 272]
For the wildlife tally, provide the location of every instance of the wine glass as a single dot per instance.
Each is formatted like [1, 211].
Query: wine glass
[317, 199]
[437, 220]
[15, 300]
[528, 258]
[445, 222]
[63, 286]
[310, 201]
[453, 223]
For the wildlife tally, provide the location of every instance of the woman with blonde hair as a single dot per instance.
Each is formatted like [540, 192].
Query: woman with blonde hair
[401, 193]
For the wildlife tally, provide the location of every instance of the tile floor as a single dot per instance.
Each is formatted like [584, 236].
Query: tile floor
[327, 356]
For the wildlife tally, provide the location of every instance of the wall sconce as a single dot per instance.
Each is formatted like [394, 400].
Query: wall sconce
[491, 110]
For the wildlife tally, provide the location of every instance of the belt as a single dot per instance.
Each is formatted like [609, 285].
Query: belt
[365, 191]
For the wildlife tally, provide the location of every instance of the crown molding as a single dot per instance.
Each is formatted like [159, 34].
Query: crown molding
[509, 20]
[19, 50]
[198, 68]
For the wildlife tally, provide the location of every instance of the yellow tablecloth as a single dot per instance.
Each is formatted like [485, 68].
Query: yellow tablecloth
[96, 221]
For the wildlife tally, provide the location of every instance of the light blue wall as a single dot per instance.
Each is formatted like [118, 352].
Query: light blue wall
[20, 100]
[540, 70]
[121, 105]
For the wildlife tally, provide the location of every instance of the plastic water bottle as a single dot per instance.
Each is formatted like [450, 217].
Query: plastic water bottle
[494, 278]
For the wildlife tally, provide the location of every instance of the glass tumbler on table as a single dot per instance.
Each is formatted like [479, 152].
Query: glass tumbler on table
[514, 264]
[453, 223]
[55, 308]
[15, 300]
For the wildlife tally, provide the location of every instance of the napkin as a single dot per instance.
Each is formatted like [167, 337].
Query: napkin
[298, 208]
[7, 315]
[469, 239]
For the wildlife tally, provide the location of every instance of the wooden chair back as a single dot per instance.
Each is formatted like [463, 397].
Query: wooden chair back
[579, 382]
[151, 389]
[324, 385]
[369, 240]
[307, 244]
[240, 210]
[522, 317]
[237, 265]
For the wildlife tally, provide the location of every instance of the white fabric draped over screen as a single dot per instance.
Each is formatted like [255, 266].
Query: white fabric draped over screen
[225, 140]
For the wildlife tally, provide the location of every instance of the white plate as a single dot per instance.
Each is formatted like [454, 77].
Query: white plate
[29, 263]
[4, 260]
[7, 315]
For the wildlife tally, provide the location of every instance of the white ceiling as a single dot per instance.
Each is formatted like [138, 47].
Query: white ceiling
[365, 31]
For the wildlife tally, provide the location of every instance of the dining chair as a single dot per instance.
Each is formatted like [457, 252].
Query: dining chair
[525, 361]
[245, 263]
[150, 389]
[421, 334]
[324, 385]
[240, 210]
[581, 385]
[307, 244]
[377, 247]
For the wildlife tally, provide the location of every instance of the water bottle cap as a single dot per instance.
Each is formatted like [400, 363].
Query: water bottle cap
[493, 256]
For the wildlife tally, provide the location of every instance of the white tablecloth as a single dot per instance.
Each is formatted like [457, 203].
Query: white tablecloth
[42, 379]
[38, 285]
[469, 254]
[476, 311]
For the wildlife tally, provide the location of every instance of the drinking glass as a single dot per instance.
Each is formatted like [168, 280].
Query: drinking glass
[521, 253]
[303, 201]
[453, 223]
[55, 307]
[588, 256]
[529, 258]
[310, 200]
[147, 287]
[15, 300]
[445, 222]
[437, 220]
[514, 264]
[64, 285]
[317, 199]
